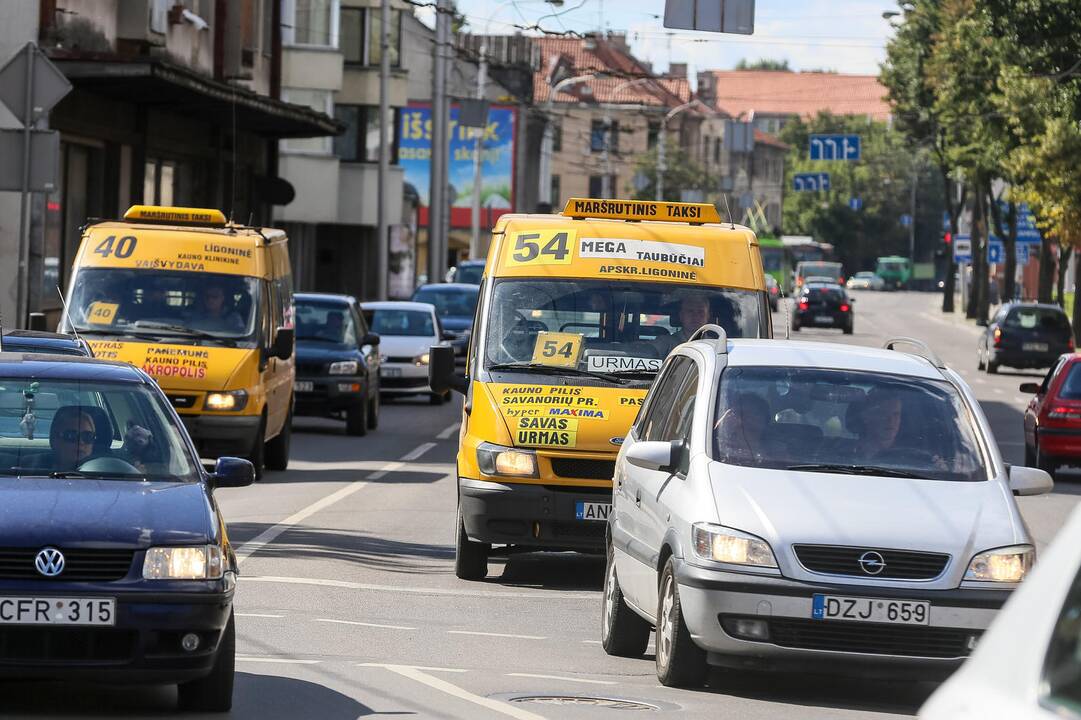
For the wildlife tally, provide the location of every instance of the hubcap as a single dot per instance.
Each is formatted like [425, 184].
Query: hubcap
[666, 623]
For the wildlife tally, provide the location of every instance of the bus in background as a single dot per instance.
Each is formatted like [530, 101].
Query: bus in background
[895, 271]
[823, 271]
[804, 248]
[777, 262]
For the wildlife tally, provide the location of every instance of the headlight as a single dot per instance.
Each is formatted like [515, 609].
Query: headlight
[1008, 564]
[344, 367]
[421, 359]
[232, 400]
[499, 460]
[721, 544]
[201, 562]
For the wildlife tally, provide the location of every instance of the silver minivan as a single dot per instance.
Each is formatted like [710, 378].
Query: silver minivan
[789, 505]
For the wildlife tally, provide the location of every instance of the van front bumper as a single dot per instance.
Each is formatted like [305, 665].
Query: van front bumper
[537, 516]
[713, 600]
[219, 435]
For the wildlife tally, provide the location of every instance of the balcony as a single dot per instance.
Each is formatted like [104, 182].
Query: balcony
[358, 189]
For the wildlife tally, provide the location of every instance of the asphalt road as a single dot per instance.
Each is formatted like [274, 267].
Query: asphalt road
[348, 605]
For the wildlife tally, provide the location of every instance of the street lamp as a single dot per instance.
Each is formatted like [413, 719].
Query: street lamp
[606, 163]
[662, 152]
[544, 192]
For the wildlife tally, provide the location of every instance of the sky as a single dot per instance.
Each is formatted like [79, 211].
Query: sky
[847, 36]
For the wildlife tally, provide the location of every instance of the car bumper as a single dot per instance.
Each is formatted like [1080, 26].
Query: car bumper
[1017, 358]
[330, 394]
[142, 647]
[811, 319]
[531, 515]
[218, 435]
[709, 598]
[403, 379]
[1059, 443]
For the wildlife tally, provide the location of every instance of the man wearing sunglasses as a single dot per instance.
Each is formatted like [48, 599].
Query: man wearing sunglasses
[71, 437]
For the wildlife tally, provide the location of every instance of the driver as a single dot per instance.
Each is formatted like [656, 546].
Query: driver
[694, 312]
[215, 311]
[71, 437]
[880, 422]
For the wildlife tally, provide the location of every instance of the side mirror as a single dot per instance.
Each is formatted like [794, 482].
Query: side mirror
[1029, 481]
[371, 339]
[653, 455]
[283, 343]
[441, 373]
[448, 335]
[36, 321]
[1030, 388]
[232, 472]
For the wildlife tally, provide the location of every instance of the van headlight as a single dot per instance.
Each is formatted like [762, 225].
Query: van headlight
[721, 544]
[343, 367]
[499, 460]
[1005, 565]
[421, 359]
[197, 562]
[231, 400]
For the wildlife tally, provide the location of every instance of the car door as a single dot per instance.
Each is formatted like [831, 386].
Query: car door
[369, 352]
[629, 525]
[1032, 413]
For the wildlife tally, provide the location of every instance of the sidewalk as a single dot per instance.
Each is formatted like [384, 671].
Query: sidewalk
[933, 312]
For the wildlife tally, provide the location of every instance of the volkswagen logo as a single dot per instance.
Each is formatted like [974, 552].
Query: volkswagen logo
[49, 562]
[872, 563]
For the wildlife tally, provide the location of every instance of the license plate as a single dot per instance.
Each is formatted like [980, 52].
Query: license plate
[57, 611]
[824, 318]
[592, 511]
[390, 372]
[304, 385]
[1034, 347]
[874, 610]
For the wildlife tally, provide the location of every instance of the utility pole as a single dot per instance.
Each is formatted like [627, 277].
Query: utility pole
[544, 191]
[437, 205]
[662, 152]
[478, 149]
[912, 215]
[382, 248]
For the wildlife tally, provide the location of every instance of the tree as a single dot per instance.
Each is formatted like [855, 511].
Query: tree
[763, 64]
[681, 174]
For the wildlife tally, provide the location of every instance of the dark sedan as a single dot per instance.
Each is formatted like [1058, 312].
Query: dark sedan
[455, 304]
[1025, 335]
[114, 560]
[50, 343]
[823, 305]
[337, 361]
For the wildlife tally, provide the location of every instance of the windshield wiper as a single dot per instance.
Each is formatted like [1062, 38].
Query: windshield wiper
[553, 370]
[79, 474]
[181, 330]
[856, 470]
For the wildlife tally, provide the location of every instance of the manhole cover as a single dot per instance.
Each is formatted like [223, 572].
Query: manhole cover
[611, 703]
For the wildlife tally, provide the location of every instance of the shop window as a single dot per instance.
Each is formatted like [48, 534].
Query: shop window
[360, 141]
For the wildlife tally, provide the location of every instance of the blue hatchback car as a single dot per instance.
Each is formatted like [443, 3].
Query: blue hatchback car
[114, 559]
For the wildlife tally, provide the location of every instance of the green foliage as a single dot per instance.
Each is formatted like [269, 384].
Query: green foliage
[764, 64]
[682, 174]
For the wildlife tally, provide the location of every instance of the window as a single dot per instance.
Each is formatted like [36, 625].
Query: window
[360, 28]
[596, 186]
[596, 136]
[319, 100]
[1062, 666]
[310, 22]
[652, 134]
[394, 42]
[556, 192]
[613, 137]
[326, 322]
[159, 16]
[659, 416]
[557, 136]
[352, 39]
[360, 141]
[717, 151]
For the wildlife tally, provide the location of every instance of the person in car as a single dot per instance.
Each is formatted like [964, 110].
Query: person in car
[332, 331]
[215, 312]
[741, 429]
[72, 436]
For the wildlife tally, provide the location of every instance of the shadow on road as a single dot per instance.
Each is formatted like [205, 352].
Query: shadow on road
[1008, 424]
[551, 571]
[261, 697]
[405, 476]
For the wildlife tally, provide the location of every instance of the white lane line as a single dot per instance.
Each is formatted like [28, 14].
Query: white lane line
[416, 452]
[445, 434]
[425, 668]
[498, 635]
[1021, 400]
[560, 677]
[591, 642]
[258, 615]
[277, 661]
[979, 381]
[590, 596]
[998, 391]
[441, 685]
[363, 624]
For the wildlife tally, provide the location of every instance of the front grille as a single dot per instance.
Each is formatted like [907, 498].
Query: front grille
[79, 565]
[39, 645]
[307, 369]
[899, 564]
[583, 468]
[397, 359]
[906, 640]
[183, 401]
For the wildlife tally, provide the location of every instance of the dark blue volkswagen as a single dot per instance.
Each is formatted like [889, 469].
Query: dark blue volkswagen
[114, 560]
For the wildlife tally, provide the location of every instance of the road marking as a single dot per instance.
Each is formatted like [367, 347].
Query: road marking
[499, 635]
[559, 677]
[998, 391]
[435, 683]
[445, 435]
[425, 668]
[416, 452]
[363, 624]
[278, 661]
[590, 596]
[591, 642]
[979, 381]
[258, 615]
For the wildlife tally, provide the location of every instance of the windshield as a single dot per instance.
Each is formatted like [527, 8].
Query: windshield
[892, 266]
[772, 258]
[469, 274]
[166, 304]
[450, 302]
[611, 326]
[102, 430]
[325, 322]
[823, 269]
[1033, 318]
[401, 323]
[840, 421]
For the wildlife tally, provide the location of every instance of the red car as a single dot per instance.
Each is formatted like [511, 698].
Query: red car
[1053, 417]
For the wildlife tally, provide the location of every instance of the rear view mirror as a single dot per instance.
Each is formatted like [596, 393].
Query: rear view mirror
[447, 335]
[233, 472]
[284, 341]
[1029, 481]
[371, 339]
[652, 455]
[1030, 388]
[441, 373]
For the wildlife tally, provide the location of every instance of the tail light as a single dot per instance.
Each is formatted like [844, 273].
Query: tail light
[803, 305]
[998, 337]
[841, 280]
[1065, 413]
[844, 308]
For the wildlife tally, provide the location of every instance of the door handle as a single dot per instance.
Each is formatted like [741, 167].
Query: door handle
[638, 496]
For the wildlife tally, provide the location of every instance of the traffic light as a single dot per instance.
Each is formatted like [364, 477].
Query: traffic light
[947, 238]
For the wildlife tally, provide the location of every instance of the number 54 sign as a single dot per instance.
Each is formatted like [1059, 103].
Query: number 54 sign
[540, 247]
[557, 349]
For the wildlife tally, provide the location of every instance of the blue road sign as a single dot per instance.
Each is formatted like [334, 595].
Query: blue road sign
[855, 204]
[945, 221]
[810, 182]
[906, 220]
[1022, 253]
[835, 147]
[962, 248]
[996, 252]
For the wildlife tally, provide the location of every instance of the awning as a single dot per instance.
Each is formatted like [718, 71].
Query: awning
[161, 84]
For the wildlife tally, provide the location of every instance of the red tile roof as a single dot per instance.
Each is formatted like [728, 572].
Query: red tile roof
[764, 138]
[743, 92]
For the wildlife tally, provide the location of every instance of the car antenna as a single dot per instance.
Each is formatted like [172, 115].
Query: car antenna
[67, 314]
[728, 210]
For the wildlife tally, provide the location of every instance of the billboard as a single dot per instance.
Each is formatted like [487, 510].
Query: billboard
[497, 166]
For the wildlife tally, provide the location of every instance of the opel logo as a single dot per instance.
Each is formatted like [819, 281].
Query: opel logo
[872, 563]
[49, 562]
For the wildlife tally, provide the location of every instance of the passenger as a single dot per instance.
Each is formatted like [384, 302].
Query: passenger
[154, 305]
[741, 429]
[71, 436]
[215, 312]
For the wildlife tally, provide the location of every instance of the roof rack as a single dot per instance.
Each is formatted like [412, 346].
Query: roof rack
[719, 336]
[925, 352]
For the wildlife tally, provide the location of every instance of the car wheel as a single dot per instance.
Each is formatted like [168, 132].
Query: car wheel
[213, 693]
[1045, 463]
[848, 329]
[979, 359]
[992, 367]
[356, 419]
[436, 399]
[257, 456]
[680, 663]
[623, 631]
[373, 413]
[470, 558]
[795, 327]
[1030, 456]
[277, 450]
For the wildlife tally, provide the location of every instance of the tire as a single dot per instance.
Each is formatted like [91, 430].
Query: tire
[979, 360]
[1030, 456]
[277, 450]
[680, 663]
[1045, 463]
[991, 367]
[795, 327]
[213, 693]
[436, 399]
[470, 558]
[848, 329]
[623, 632]
[356, 419]
[373, 412]
[257, 456]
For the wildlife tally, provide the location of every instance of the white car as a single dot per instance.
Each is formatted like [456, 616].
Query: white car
[406, 331]
[865, 281]
[1028, 665]
[790, 505]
